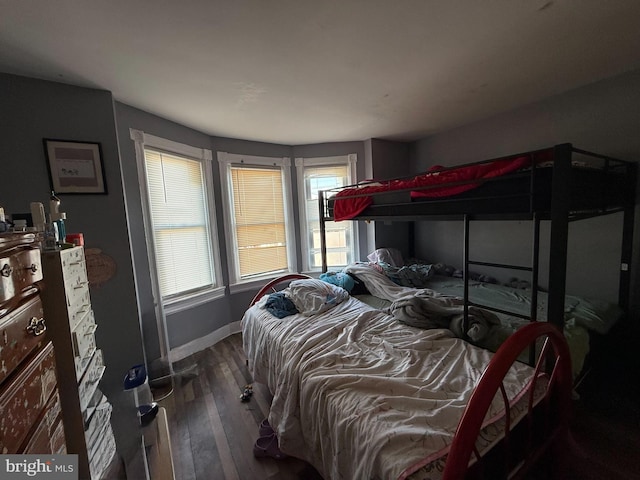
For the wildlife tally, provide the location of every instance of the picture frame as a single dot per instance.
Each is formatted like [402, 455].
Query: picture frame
[75, 167]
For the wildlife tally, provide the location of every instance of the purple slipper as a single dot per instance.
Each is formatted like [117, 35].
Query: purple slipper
[266, 429]
[268, 447]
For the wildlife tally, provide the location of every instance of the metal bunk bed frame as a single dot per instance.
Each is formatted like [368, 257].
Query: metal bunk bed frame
[559, 214]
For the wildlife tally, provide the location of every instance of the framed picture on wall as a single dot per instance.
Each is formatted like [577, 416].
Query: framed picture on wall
[75, 167]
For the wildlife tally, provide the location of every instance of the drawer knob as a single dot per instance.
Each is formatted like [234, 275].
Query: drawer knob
[7, 270]
[36, 326]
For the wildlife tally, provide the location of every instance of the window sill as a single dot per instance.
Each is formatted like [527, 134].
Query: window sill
[313, 273]
[253, 285]
[194, 300]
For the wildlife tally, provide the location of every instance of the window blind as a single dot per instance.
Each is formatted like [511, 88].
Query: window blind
[179, 218]
[259, 219]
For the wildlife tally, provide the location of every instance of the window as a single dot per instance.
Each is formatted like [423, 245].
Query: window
[257, 216]
[316, 174]
[179, 213]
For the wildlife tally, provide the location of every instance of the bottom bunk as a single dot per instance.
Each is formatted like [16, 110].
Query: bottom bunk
[584, 318]
[359, 394]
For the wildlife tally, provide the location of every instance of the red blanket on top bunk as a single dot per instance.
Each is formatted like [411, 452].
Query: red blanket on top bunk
[454, 181]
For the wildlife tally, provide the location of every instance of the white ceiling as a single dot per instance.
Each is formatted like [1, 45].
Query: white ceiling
[312, 71]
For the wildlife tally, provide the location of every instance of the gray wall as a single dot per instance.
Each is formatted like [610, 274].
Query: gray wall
[391, 160]
[602, 117]
[30, 111]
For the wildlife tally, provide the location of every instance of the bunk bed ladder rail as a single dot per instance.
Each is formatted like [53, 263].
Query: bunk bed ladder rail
[624, 289]
[559, 235]
[322, 214]
[533, 269]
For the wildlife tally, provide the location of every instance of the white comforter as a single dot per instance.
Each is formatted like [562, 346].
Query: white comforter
[358, 394]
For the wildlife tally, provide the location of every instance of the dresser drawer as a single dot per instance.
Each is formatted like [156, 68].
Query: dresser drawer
[94, 402]
[42, 443]
[17, 338]
[49, 433]
[89, 382]
[73, 266]
[22, 401]
[58, 442]
[84, 343]
[103, 452]
[19, 268]
[101, 417]
[103, 430]
[77, 294]
[16, 239]
[78, 304]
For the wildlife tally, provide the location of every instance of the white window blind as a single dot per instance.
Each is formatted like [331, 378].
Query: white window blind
[259, 220]
[179, 217]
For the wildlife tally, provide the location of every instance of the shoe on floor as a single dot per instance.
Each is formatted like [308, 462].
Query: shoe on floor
[266, 429]
[268, 447]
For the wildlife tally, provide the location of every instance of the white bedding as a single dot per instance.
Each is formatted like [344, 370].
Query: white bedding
[360, 395]
[579, 311]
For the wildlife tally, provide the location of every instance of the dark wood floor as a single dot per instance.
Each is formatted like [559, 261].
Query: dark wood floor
[213, 432]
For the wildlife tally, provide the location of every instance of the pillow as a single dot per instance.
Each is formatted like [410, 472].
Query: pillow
[392, 256]
[414, 276]
[312, 296]
[592, 314]
[340, 279]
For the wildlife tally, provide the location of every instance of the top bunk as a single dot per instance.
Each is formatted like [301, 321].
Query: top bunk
[561, 180]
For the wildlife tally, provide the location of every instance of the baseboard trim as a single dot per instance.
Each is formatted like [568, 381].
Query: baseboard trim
[199, 344]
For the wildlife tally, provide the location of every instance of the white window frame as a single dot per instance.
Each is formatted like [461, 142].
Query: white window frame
[349, 160]
[226, 160]
[217, 290]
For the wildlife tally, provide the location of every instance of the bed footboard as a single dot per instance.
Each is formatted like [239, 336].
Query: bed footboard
[546, 420]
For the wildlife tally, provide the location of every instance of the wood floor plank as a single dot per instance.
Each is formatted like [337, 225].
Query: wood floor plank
[239, 359]
[206, 459]
[180, 437]
[187, 392]
[228, 464]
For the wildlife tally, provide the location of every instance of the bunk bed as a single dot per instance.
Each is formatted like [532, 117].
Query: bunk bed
[359, 394]
[560, 184]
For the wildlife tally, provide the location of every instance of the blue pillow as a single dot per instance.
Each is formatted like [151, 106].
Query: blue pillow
[339, 279]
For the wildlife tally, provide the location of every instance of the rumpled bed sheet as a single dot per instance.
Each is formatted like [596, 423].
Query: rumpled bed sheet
[360, 395]
[580, 314]
[426, 308]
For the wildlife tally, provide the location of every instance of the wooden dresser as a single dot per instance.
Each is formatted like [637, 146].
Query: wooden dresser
[86, 413]
[30, 407]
